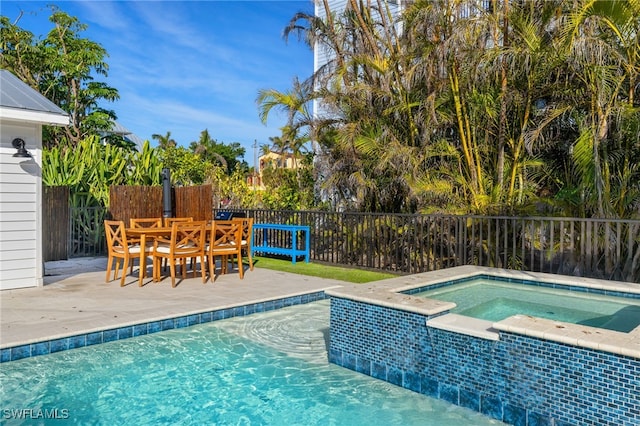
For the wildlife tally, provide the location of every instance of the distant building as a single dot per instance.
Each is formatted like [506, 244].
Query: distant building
[271, 160]
[119, 131]
[322, 55]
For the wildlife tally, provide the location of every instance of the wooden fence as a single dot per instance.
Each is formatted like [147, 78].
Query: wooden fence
[79, 231]
[55, 222]
[127, 202]
[194, 201]
[599, 248]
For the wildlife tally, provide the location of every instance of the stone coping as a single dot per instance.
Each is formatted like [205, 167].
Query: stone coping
[160, 318]
[126, 331]
[389, 293]
[76, 300]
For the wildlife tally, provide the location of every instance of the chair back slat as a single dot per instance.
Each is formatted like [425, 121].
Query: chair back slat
[169, 221]
[115, 233]
[147, 222]
[188, 237]
[226, 233]
[247, 228]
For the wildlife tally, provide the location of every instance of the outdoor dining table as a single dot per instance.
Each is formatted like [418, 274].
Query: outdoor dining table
[151, 234]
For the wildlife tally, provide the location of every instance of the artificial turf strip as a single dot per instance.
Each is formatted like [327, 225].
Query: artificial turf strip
[351, 275]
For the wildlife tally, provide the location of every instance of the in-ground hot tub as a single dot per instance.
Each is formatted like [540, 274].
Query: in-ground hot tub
[519, 369]
[496, 298]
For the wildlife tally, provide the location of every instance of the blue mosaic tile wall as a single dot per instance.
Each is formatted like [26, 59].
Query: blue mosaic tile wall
[57, 345]
[518, 379]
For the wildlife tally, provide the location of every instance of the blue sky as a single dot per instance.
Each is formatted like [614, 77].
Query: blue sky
[186, 66]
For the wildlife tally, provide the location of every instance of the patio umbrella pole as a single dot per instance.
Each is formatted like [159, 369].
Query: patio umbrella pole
[166, 193]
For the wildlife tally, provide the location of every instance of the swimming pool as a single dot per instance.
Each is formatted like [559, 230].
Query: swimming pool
[494, 300]
[266, 368]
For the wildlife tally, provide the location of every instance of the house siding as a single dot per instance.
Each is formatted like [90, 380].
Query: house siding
[20, 204]
[323, 54]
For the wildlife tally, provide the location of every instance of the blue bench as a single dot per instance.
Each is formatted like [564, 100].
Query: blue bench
[267, 245]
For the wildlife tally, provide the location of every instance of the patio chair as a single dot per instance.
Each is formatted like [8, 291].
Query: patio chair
[119, 247]
[247, 235]
[187, 241]
[168, 221]
[225, 240]
[147, 222]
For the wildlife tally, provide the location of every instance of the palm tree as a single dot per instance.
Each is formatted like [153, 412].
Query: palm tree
[603, 51]
[294, 103]
[477, 110]
[207, 148]
[164, 141]
[366, 86]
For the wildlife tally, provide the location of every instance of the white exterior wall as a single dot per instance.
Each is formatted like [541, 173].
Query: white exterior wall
[321, 53]
[21, 262]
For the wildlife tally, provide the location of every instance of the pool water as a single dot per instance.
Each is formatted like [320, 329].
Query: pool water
[495, 301]
[264, 369]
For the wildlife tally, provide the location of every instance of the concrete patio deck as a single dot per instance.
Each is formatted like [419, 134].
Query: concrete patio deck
[75, 299]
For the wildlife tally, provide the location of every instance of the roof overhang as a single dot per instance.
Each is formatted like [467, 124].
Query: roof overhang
[40, 117]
